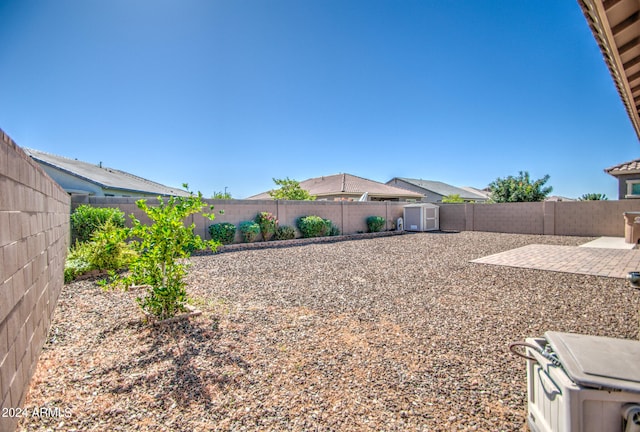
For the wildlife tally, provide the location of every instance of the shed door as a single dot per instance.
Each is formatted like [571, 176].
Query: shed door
[431, 218]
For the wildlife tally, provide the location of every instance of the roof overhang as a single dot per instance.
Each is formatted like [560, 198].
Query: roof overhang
[616, 26]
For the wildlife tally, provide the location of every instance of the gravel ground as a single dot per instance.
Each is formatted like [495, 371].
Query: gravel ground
[392, 333]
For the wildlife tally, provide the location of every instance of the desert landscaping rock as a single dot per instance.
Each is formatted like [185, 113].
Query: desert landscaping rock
[378, 334]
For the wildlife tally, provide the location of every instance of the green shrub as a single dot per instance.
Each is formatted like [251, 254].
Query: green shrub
[315, 226]
[285, 232]
[224, 232]
[77, 261]
[107, 250]
[332, 229]
[268, 224]
[249, 230]
[85, 220]
[375, 223]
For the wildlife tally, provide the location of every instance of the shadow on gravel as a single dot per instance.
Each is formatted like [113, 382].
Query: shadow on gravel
[178, 362]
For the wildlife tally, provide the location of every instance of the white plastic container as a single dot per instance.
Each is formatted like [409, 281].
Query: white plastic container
[587, 388]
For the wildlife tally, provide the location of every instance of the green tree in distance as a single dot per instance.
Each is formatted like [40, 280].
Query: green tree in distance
[452, 199]
[593, 197]
[221, 195]
[519, 189]
[290, 190]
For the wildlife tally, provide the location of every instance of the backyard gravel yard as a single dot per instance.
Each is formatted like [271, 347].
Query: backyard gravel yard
[380, 334]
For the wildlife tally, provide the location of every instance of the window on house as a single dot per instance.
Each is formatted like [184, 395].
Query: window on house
[633, 188]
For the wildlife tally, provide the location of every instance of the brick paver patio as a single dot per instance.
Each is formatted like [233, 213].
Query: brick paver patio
[614, 263]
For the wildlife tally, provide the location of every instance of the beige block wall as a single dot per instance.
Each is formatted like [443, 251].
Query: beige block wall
[350, 217]
[453, 217]
[578, 218]
[593, 218]
[34, 233]
[525, 218]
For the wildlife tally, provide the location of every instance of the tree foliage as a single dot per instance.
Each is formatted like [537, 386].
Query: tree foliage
[85, 220]
[519, 189]
[453, 198]
[290, 190]
[162, 247]
[221, 195]
[593, 197]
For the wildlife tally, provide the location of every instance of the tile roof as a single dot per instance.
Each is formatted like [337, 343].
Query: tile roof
[443, 189]
[631, 167]
[103, 176]
[347, 184]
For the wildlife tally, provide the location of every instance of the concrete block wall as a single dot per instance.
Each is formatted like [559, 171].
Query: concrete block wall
[524, 218]
[34, 236]
[577, 218]
[583, 218]
[350, 217]
[593, 218]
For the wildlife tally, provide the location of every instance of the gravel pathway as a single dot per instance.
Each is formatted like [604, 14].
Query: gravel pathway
[393, 333]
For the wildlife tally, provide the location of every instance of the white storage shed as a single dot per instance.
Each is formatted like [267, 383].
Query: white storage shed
[421, 217]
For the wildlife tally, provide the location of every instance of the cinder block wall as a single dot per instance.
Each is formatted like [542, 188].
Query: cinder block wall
[34, 233]
[350, 217]
[578, 218]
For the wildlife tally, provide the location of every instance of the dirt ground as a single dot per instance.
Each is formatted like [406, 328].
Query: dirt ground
[380, 334]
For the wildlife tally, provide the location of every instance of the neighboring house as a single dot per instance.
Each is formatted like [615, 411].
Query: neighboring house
[433, 191]
[557, 198]
[628, 176]
[82, 178]
[347, 187]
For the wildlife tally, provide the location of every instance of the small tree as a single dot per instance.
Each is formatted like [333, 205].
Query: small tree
[452, 199]
[519, 189]
[290, 190]
[162, 248]
[593, 197]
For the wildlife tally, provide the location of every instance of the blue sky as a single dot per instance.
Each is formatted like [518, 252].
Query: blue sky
[234, 93]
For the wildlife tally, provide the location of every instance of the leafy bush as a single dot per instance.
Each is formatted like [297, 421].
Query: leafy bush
[375, 223]
[77, 262]
[162, 248]
[312, 226]
[332, 229]
[224, 232]
[268, 224]
[85, 220]
[285, 232]
[107, 250]
[315, 226]
[249, 230]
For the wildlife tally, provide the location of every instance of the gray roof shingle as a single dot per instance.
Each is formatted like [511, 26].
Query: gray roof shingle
[103, 176]
[443, 189]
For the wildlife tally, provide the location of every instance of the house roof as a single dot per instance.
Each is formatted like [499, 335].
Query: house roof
[477, 191]
[615, 24]
[444, 189]
[104, 177]
[631, 167]
[348, 185]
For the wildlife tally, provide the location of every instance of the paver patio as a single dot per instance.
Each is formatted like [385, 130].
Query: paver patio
[614, 263]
